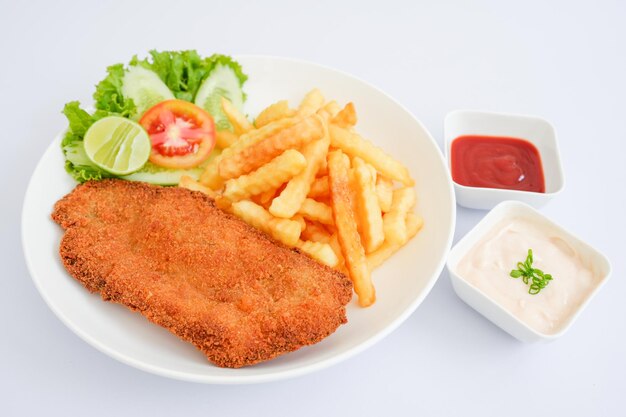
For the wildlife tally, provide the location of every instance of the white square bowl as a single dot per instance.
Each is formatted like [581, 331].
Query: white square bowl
[492, 310]
[536, 130]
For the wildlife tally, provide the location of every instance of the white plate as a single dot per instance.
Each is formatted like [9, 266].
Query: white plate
[401, 284]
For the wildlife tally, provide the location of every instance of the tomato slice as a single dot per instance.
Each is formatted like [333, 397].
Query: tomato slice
[182, 134]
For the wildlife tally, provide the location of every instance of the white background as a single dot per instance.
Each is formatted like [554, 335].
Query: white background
[565, 61]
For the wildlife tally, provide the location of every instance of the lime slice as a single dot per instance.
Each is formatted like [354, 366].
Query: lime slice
[117, 145]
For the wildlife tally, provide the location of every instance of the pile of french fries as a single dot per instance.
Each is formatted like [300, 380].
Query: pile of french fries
[306, 178]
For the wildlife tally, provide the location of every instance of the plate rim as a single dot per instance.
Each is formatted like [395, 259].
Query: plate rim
[278, 375]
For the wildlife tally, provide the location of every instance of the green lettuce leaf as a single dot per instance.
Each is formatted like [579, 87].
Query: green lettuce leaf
[108, 96]
[79, 120]
[181, 71]
[184, 71]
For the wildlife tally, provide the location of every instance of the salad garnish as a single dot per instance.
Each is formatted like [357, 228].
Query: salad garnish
[534, 277]
[132, 91]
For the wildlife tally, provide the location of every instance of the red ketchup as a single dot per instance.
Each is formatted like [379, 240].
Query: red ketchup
[497, 162]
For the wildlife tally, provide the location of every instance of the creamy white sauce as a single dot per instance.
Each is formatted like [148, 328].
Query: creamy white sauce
[488, 264]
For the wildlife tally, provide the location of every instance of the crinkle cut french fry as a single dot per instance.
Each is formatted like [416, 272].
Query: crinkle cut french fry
[250, 158]
[189, 183]
[255, 136]
[354, 145]
[413, 225]
[319, 187]
[273, 112]
[294, 194]
[315, 232]
[367, 208]
[311, 103]
[346, 118]
[265, 198]
[394, 221]
[326, 201]
[349, 239]
[225, 138]
[320, 251]
[329, 110]
[323, 171]
[267, 177]
[334, 243]
[283, 230]
[384, 190]
[332, 107]
[300, 219]
[315, 210]
[352, 179]
[211, 178]
[240, 123]
[373, 172]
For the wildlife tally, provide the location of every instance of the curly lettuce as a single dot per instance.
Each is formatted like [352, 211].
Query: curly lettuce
[184, 71]
[108, 96]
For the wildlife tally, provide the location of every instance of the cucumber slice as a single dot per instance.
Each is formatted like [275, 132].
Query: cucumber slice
[145, 88]
[221, 82]
[155, 174]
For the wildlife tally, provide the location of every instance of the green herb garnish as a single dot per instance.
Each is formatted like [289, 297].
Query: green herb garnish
[528, 273]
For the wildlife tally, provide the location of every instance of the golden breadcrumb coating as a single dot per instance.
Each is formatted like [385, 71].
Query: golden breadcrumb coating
[209, 278]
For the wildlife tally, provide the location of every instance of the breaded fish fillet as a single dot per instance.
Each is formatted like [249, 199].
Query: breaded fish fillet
[209, 278]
